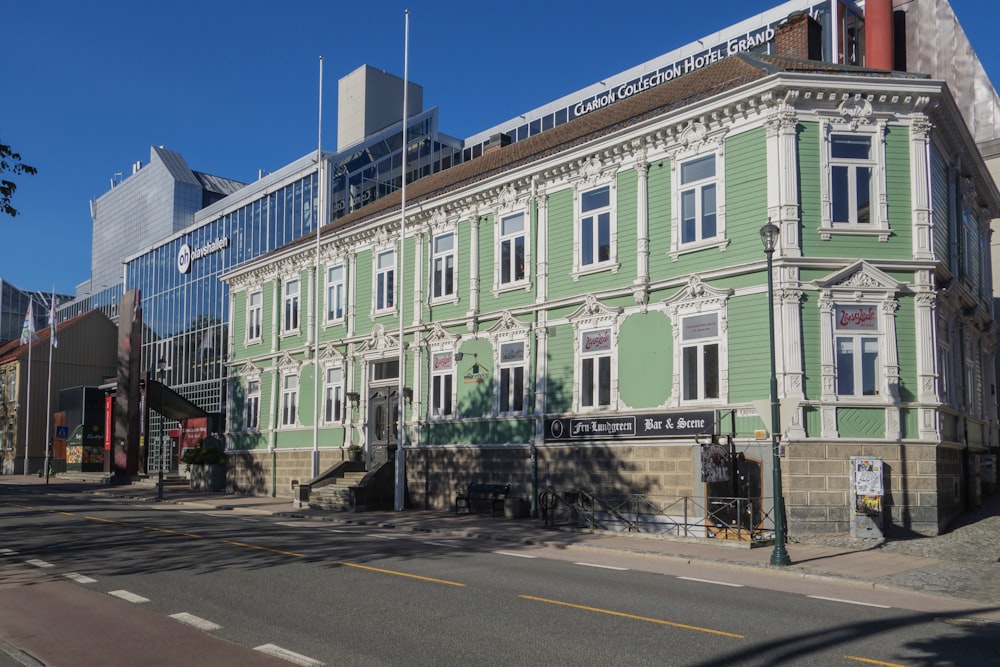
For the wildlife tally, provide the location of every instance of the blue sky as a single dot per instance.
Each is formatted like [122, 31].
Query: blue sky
[88, 87]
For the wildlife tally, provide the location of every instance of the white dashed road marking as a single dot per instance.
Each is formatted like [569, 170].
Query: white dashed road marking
[709, 581]
[603, 567]
[863, 604]
[38, 563]
[129, 597]
[80, 578]
[192, 620]
[7, 552]
[290, 656]
[516, 555]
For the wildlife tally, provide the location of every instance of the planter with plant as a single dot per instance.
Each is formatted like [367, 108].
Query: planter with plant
[354, 453]
[208, 468]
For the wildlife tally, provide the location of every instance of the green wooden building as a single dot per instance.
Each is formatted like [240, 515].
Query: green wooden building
[586, 310]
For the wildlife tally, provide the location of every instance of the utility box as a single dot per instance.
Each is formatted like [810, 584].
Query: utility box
[868, 492]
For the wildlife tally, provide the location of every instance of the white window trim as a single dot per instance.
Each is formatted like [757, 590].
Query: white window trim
[391, 310]
[439, 341]
[593, 315]
[256, 340]
[446, 298]
[581, 188]
[510, 330]
[858, 124]
[695, 143]
[247, 379]
[524, 283]
[860, 285]
[326, 368]
[284, 302]
[296, 422]
[697, 298]
[327, 320]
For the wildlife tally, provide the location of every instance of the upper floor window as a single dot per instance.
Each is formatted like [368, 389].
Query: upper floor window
[385, 280]
[853, 182]
[289, 400]
[698, 200]
[856, 330]
[335, 293]
[851, 167]
[512, 249]
[291, 291]
[595, 228]
[251, 418]
[512, 373]
[255, 302]
[595, 368]
[443, 265]
[442, 383]
[700, 357]
[333, 396]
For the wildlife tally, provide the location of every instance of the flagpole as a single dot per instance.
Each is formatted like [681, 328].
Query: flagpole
[48, 396]
[401, 302]
[27, 406]
[320, 218]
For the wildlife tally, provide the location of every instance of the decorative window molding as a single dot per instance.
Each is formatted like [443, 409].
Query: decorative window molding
[511, 242]
[511, 349]
[859, 361]
[595, 347]
[336, 293]
[291, 292]
[254, 315]
[250, 376]
[698, 191]
[444, 266]
[288, 376]
[852, 163]
[332, 364]
[700, 323]
[441, 347]
[595, 230]
[383, 282]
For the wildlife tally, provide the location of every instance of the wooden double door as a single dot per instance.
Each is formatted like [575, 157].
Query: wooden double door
[383, 423]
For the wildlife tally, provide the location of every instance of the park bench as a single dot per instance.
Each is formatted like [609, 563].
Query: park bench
[479, 495]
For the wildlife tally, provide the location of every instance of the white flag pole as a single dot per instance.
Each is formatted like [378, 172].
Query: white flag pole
[320, 219]
[401, 410]
[27, 403]
[48, 395]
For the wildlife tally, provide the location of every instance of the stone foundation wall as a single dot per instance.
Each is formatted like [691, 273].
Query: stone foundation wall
[662, 473]
[250, 473]
[817, 488]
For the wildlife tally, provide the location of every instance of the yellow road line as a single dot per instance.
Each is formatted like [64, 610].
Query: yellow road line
[633, 617]
[24, 507]
[172, 532]
[402, 574]
[873, 662]
[254, 546]
[97, 518]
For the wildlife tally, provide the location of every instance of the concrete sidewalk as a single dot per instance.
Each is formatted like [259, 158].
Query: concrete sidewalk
[963, 564]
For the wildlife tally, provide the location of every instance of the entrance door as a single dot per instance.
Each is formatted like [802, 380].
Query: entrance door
[383, 423]
[734, 506]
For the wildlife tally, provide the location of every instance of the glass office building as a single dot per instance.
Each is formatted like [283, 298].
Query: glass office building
[185, 305]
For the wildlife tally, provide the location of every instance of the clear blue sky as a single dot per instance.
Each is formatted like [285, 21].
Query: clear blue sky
[88, 87]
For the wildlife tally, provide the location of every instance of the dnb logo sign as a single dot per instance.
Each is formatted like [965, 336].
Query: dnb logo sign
[187, 255]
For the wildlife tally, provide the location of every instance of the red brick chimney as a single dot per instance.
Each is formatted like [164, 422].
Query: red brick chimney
[799, 36]
[878, 34]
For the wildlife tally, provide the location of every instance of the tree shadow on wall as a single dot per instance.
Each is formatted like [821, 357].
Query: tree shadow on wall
[498, 450]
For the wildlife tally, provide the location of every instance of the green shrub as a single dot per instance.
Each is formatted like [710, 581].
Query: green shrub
[203, 456]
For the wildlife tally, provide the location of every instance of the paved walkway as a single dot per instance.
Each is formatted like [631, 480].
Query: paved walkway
[963, 564]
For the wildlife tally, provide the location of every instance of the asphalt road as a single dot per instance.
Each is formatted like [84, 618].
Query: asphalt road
[316, 594]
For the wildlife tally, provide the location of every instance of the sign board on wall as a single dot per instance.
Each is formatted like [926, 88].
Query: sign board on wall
[650, 425]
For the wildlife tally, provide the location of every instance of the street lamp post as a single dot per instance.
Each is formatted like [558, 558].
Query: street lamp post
[779, 556]
[161, 368]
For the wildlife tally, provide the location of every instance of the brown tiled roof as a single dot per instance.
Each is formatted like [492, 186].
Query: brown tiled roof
[702, 84]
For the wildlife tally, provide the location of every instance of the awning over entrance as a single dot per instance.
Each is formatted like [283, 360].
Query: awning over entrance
[166, 401]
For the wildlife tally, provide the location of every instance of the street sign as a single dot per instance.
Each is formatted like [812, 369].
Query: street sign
[62, 432]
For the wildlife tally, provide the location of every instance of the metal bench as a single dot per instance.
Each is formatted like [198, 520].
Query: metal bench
[480, 494]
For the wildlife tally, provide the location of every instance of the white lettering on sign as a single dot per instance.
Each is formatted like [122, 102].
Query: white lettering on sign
[187, 255]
